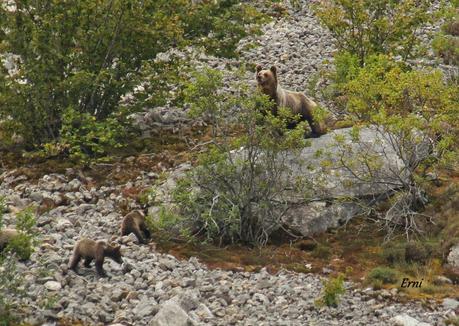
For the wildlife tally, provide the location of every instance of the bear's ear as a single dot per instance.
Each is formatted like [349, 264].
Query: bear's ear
[274, 71]
[259, 67]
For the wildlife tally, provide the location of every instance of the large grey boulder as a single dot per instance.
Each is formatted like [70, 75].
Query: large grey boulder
[340, 177]
[338, 171]
[335, 174]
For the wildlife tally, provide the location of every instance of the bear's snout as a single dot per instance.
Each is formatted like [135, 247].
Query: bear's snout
[260, 78]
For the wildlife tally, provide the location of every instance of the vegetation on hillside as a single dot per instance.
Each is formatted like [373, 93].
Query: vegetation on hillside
[75, 60]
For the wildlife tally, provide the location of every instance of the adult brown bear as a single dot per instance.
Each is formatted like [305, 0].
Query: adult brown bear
[297, 102]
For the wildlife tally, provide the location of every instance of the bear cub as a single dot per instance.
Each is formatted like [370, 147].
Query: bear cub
[91, 250]
[297, 102]
[134, 222]
[6, 235]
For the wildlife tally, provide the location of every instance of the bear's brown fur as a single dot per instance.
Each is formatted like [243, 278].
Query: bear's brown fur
[134, 222]
[91, 250]
[297, 102]
[6, 235]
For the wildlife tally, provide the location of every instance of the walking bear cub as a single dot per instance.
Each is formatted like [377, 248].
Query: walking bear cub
[134, 222]
[91, 250]
[297, 102]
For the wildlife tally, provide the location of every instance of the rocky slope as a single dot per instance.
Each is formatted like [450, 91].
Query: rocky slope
[152, 288]
[157, 289]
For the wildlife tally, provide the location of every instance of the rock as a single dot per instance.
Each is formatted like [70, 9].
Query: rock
[73, 185]
[188, 300]
[171, 314]
[53, 286]
[146, 308]
[36, 196]
[440, 280]
[406, 320]
[453, 257]
[450, 303]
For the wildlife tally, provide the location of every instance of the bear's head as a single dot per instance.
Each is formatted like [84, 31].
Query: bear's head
[267, 79]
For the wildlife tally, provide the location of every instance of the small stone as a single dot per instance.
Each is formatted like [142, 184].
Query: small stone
[170, 314]
[53, 286]
[449, 303]
[406, 320]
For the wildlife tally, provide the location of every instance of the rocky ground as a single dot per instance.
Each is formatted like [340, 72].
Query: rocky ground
[156, 289]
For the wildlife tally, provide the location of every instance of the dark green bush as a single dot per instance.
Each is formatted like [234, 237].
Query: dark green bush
[382, 274]
[394, 253]
[79, 58]
[416, 252]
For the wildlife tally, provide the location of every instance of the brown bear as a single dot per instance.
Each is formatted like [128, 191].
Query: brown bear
[297, 102]
[91, 250]
[134, 222]
[6, 235]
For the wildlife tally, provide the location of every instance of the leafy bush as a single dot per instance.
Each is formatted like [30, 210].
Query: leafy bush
[394, 253]
[236, 193]
[446, 42]
[84, 137]
[333, 288]
[366, 27]
[322, 251]
[417, 111]
[79, 58]
[11, 281]
[382, 274]
[10, 287]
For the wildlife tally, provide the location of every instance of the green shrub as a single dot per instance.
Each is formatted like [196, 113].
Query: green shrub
[416, 252]
[394, 253]
[385, 275]
[81, 57]
[11, 281]
[447, 47]
[23, 244]
[366, 27]
[322, 251]
[10, 287]
[333, 289]
[418, 110]
[235, 195]
[84, 137]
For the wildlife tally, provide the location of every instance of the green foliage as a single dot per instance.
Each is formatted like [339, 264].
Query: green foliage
[447, 47]
[394, 253]
[366, 27]
[10, 287]
[333, 289]
[235, 192]
[85, 137]
[446, 42]
[322, 251]
[383, 274]
[24, 242]
[78, 59]
[20, 247]
[221, 24]
[384, 93]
